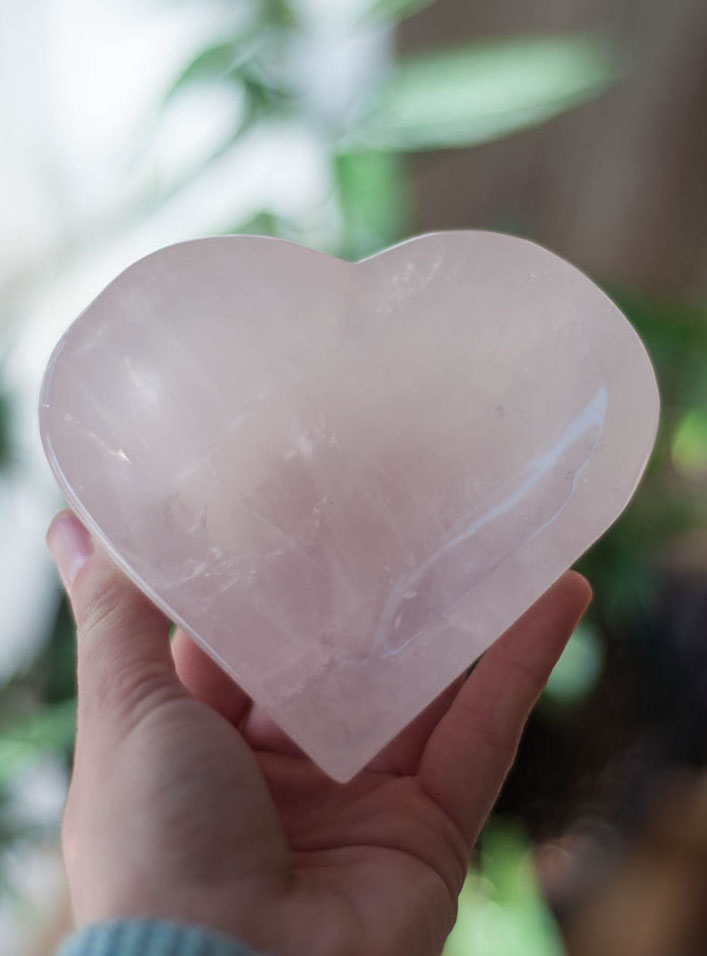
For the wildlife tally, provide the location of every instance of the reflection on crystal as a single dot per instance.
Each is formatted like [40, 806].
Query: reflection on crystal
[482, 540]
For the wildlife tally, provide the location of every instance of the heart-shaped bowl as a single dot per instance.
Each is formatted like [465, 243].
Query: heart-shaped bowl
[345, 481]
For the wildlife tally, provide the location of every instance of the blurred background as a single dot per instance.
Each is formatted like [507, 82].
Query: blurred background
[126, 125]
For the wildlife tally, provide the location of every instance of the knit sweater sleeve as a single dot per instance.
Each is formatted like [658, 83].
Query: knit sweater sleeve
[150, 938]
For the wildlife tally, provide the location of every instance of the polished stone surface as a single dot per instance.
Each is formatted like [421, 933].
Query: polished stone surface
[347, 480]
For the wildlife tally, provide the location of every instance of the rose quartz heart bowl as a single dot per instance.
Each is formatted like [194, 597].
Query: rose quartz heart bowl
[345, 481]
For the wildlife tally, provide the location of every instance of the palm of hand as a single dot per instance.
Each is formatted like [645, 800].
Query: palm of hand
[292, 862]
[185, 806]
[376, 866]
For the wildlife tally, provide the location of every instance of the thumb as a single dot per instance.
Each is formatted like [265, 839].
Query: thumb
[125, 664]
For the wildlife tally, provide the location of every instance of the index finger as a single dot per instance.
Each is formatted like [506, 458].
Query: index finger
[472, 748]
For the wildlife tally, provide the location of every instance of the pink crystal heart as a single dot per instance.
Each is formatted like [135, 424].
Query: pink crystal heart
[346, 480]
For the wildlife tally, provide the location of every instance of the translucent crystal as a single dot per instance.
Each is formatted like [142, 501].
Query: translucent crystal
[347, 480]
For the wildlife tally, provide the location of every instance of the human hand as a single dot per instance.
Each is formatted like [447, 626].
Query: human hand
[187, 804]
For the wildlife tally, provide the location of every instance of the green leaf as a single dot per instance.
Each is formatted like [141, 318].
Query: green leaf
[676, 338]
[4, 429]
[477, 93]
[264, 223]
[578, 668]
[372, 201]
[395, 10]
[250, 62]
[31, 737]
[216, 62]
[277, 13]
[501, 909]
[689, 444]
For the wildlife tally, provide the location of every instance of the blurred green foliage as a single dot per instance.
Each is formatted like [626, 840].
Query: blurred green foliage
[37, 719]
[622, 565]
[46, 731]
[476, 93]
[395, 10]
[373, 200]
[578, 668]
[501, 909]
[38, 694]
[451, 98]
[4, 429]
[689, 445]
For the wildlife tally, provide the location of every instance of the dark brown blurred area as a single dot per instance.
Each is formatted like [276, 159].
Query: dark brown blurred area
[647, 897]
[615, 794]
[618, 186]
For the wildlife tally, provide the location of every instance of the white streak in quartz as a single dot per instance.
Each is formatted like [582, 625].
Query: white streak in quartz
[133, 301]
[589, 422]
[118, 453]
[410, 280]
[293, 545]
[224, 568]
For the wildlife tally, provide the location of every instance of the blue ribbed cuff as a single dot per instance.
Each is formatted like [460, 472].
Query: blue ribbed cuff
[150, 938]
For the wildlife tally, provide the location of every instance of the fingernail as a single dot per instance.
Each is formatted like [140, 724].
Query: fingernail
[69, 544]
